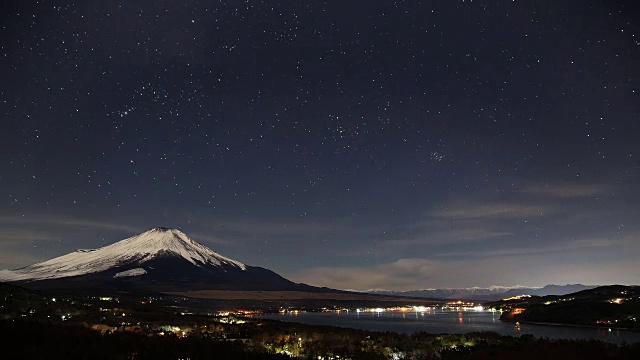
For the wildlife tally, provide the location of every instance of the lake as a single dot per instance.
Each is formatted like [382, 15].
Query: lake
[451, 322]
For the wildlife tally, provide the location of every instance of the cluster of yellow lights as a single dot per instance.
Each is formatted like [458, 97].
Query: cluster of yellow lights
[460, 304]
[421, 309]
[452, 305]
[616, 301]
[284, 311]
[246, 312]
[519, 297]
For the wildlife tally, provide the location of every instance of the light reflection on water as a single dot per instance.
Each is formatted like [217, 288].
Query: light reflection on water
[451, 322]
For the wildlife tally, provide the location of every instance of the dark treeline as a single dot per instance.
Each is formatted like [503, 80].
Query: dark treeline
[37, 340]
[32, 340]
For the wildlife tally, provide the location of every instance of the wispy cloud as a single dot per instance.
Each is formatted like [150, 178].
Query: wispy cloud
[529, 201]
[560, 262]
[415, 273]
[561, 246]
[470, 222]
[449, 236]
[565, 191]
[401, 274]
[496, 210]
[493, 218]
[21, 236]
[67, 222]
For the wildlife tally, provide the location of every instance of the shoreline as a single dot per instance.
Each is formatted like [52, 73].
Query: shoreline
[558, 332]
[570, 325]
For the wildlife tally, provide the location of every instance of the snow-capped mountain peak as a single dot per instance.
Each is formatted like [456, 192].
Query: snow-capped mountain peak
[163, 240]
[155, 243]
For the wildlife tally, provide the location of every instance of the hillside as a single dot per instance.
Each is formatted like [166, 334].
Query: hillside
[614, 306]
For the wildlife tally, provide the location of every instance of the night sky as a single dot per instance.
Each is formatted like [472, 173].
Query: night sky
[357, 145]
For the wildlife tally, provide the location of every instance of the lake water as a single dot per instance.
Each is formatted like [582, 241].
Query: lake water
[451, 322]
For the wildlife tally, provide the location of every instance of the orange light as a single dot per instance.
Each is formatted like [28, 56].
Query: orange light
[517, 311]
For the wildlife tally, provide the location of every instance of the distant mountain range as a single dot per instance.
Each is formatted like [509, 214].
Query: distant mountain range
[158, 260]
[487, 294]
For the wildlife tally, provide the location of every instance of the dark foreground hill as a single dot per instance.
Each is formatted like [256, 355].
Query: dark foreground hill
[614, 306]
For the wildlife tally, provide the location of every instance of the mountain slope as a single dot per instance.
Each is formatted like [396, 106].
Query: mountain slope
[160, 259]
[138, 249]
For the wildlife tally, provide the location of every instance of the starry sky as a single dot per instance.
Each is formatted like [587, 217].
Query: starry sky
[357, 145]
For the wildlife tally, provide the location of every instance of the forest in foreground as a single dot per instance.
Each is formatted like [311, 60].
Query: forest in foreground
[275, 340]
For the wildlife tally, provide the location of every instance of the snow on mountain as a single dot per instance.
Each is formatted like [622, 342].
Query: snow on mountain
[493, 292]
[499, 288]
[132, 272]
[469, 290]
[157, 242]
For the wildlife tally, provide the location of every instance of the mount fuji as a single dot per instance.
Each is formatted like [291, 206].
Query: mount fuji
[159, 260]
